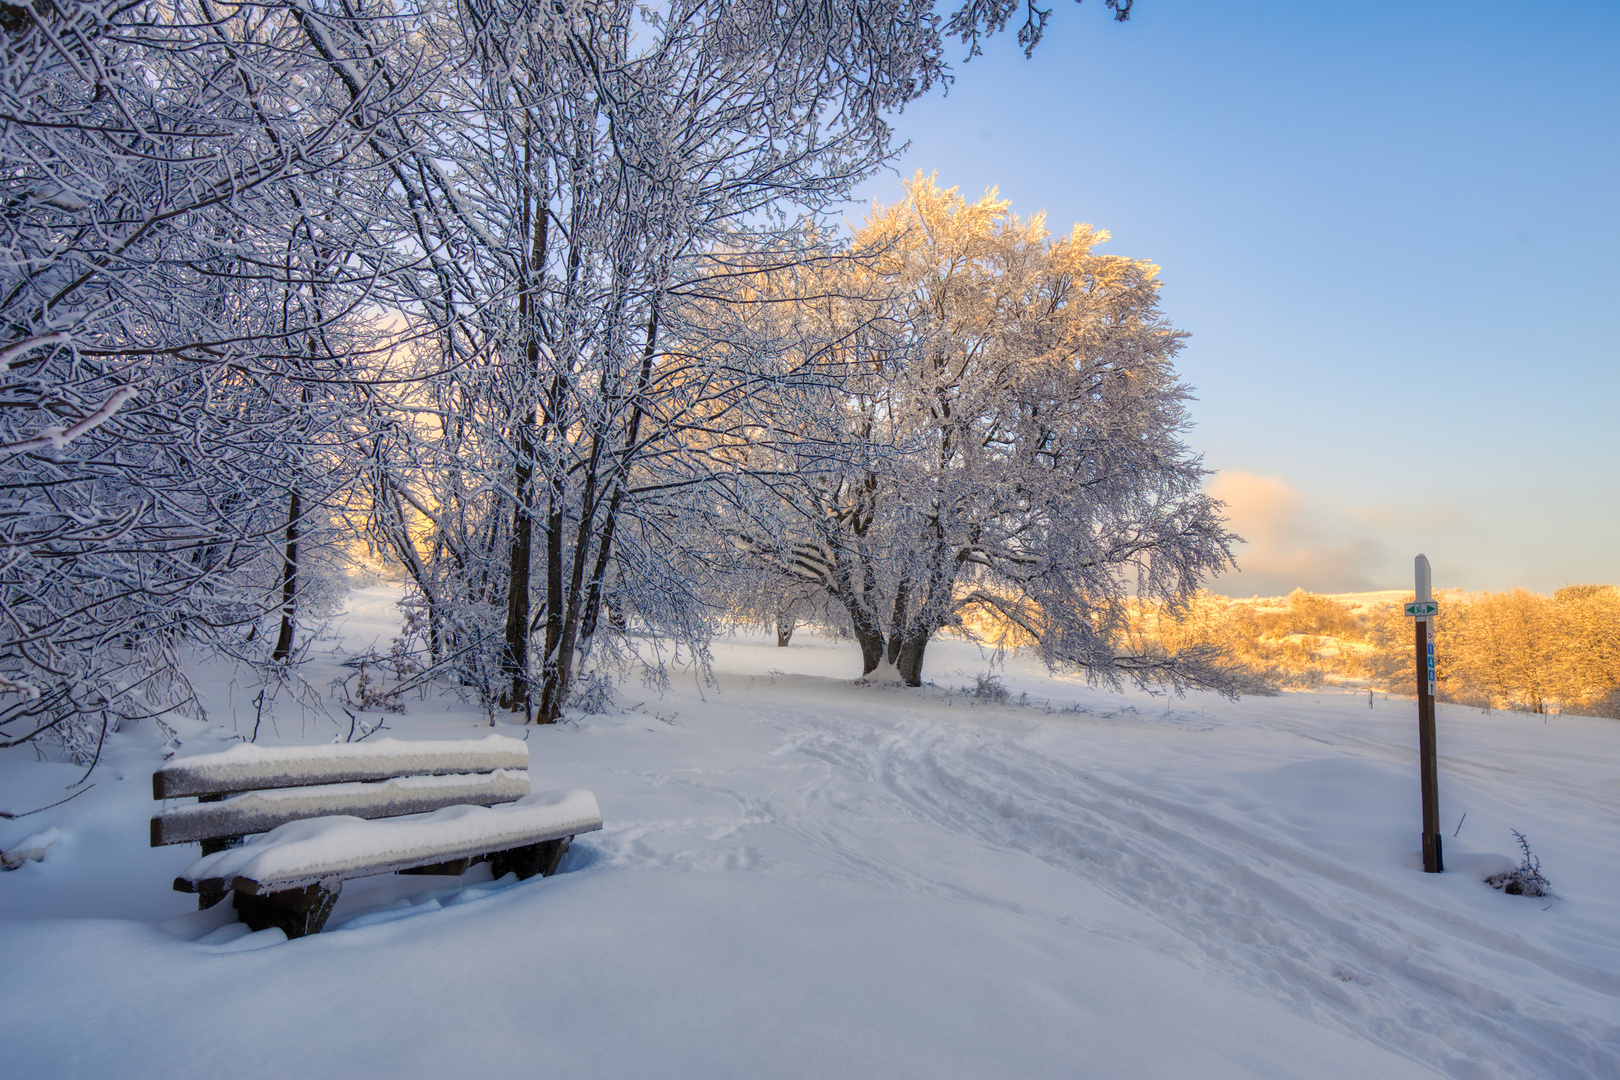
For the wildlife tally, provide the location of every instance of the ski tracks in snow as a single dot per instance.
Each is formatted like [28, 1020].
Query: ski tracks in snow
[1278, 919]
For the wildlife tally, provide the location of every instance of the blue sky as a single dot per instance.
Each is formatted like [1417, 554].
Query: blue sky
[1394, 234]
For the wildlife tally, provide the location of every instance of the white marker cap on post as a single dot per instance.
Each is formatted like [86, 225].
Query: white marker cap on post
[1425, 591]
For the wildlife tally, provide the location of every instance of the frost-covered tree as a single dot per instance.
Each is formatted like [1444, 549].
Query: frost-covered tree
[185, 193]
[216, 215]
[1016, 447]
[609, 169]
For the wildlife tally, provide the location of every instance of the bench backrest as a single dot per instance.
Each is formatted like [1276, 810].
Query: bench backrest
[269, 786]
[259, 768]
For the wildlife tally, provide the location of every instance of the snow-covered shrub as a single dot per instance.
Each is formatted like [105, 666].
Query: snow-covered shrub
[593, 692]
[368, 694]
[988, 687]
[1525, 879]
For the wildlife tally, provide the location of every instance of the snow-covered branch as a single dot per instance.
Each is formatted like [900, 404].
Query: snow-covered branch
[14, 354]
[56, 437]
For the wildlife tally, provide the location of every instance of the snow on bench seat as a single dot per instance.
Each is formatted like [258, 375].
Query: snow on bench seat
[252, 768]
[261, 811]
[318, 850]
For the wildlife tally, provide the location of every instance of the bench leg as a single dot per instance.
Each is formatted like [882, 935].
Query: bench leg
[525, 862]
[207, 898]
[296, 911]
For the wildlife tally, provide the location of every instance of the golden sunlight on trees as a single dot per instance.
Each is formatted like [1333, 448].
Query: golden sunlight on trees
[1524, 651]
[1509, 650]
[1001, 444]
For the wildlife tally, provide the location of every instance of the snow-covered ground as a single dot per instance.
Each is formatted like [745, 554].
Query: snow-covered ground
[803, 876]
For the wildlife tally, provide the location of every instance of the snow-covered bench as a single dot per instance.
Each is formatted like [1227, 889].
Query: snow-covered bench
[330, 813]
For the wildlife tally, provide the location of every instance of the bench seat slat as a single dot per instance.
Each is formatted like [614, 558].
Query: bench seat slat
[248, 767]
[302, 853]
[257, 812]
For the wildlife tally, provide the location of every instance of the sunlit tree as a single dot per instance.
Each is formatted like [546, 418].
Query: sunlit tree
[1016, 446]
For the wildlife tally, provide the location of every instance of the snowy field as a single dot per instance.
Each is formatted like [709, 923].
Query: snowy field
[801, 876]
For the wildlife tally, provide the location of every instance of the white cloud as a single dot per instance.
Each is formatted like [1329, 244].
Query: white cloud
[1290, 543]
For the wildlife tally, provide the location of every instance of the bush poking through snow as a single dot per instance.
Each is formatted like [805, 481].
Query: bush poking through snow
[402, 662]
[593, 693]
[988, 687]
[1524, 879]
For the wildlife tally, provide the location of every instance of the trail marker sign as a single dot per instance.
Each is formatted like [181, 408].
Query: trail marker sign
[1423, 610]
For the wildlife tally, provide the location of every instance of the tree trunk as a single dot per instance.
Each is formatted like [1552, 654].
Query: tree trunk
[289, 581]
[553, 679]
[901, 595]
[870, 635]
[515, 659]
[515, 655]
[911, 658]
[560, 662]
[595, 596]
[784, 629]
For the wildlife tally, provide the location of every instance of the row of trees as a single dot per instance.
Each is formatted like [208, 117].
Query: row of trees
[532, 297]
[1522, 650]
[184, 291]
[1509, 650]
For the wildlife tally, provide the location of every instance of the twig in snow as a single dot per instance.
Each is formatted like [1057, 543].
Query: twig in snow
[10, 815]
[365, 732]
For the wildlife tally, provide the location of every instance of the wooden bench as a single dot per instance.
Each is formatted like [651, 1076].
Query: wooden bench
[325, 814]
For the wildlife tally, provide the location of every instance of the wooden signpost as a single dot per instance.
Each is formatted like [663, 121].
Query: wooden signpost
[1422, 611]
